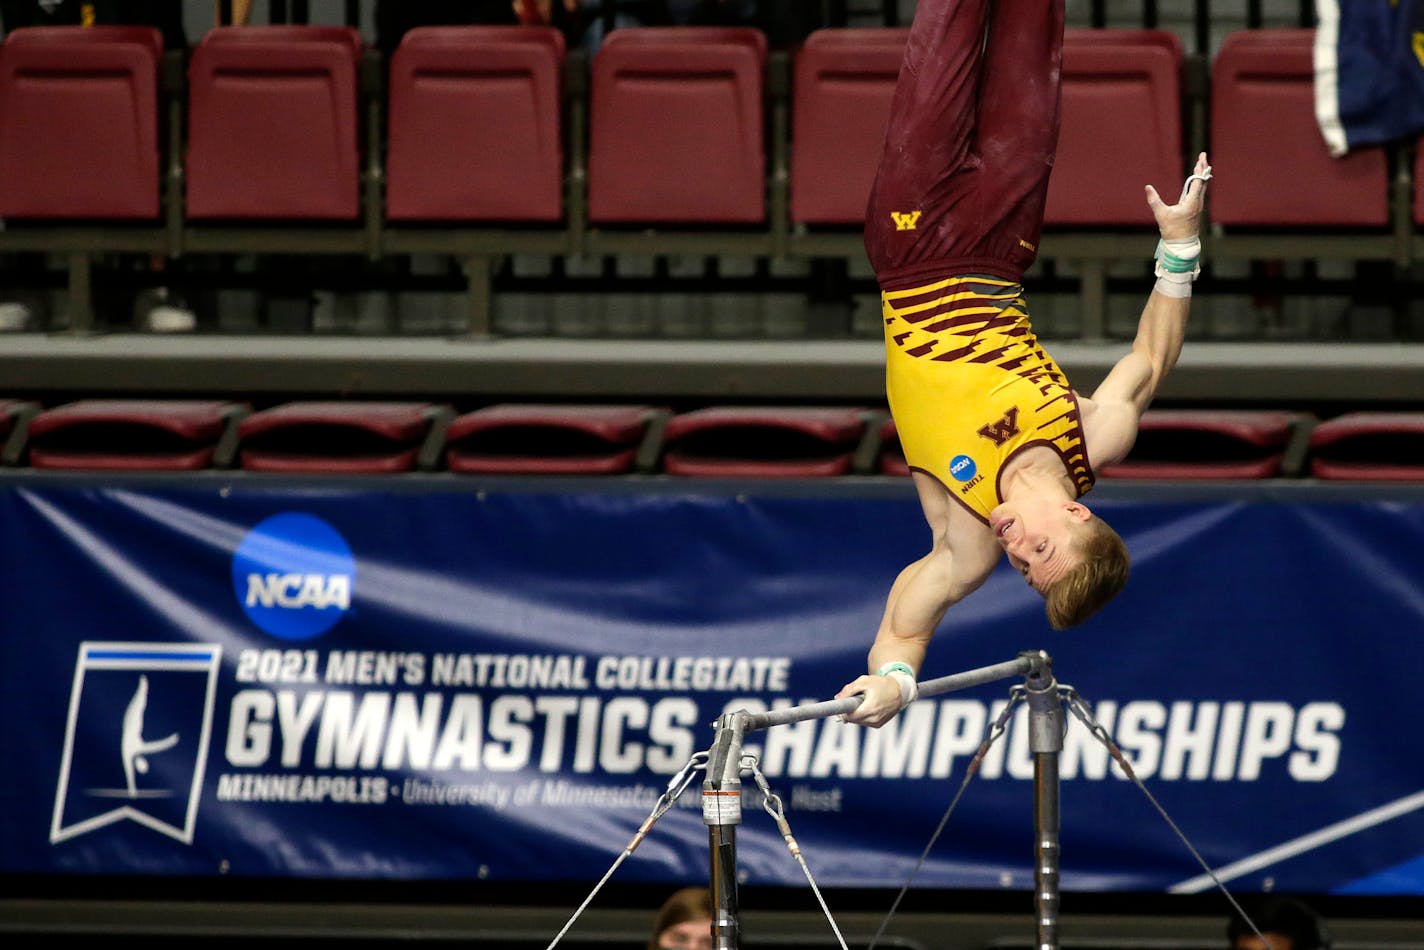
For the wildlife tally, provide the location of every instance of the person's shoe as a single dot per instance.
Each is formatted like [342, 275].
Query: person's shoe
[167, 316]
[14, 317]
[169, 319]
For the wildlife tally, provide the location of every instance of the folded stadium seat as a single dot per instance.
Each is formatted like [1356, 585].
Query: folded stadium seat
[1122, 102]
[272, 123]
[15, 417]
[475, 119]
[1369, 446]
[79, 122]
[135, 434]
[841, 91]
[1215, 444]
[764, 441]
[346, 438]
[892, 454]
[1272, 167]
[676, 126]
[542, 439]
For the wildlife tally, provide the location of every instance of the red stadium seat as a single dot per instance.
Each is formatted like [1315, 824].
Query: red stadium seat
[1213, 444]
[475, 124]
[841, 92]
[676, 126]
[1272, 165]
[272, 127]
[1369, 446]
[343, 437]
[134, 435]
[79, 122]
[543, 439]
[763, 442]
[1122, 104]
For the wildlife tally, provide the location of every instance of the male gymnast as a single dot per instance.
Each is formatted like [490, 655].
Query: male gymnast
[1000, 446]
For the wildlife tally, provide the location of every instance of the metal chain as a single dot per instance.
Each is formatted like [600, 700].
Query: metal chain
[771, 803]
[1080, 709]
[1017, 694]
[675, 787]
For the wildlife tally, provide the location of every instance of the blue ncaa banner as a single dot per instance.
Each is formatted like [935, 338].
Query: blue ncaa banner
[437, 681]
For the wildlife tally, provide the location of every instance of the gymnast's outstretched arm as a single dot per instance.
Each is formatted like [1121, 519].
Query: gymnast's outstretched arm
[1135, 379]
[962, 557]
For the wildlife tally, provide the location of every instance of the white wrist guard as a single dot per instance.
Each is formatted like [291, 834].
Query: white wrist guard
[904, 676]
[1172, 285]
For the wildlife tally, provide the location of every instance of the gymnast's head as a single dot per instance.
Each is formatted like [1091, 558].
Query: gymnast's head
[1070, 556]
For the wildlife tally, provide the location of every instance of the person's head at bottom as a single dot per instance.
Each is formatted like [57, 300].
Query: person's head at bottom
[1070, 556]
[1286, 924]
[684, 922]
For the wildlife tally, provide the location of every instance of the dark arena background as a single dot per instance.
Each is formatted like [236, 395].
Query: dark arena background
[422, 433]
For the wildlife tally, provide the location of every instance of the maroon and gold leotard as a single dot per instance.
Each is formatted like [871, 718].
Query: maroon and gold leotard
[970, 387]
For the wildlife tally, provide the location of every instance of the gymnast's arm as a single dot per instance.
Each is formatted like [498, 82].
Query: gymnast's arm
[1131, 384]
[918, 599]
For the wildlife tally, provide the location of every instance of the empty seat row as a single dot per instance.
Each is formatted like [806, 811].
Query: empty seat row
[407, 436]
[677, 127]
[618, 439]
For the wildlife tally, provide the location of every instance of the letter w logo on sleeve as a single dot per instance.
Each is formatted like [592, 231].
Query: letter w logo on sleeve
[1003, 430]
[905, 220]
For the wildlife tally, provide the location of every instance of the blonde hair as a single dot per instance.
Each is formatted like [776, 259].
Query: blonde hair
[1094, 581]
[690, 903]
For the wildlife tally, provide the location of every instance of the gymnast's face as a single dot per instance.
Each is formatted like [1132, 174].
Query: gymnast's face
[1040, 537]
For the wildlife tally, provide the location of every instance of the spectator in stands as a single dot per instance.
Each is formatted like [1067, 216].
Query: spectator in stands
[1000, 445]
[586, 22]
[590, 20]
[684, 922]
[1285, 923]
[395, 19]
[713, 12]
[166, 16]
[785, 22]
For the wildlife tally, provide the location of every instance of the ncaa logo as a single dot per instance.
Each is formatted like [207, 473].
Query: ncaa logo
[962, 468]
[293, 575]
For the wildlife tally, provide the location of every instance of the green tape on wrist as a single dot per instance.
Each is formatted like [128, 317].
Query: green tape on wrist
[1179, 263]
[904, 677]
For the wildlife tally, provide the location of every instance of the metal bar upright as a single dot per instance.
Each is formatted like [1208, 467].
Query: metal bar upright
[722, 812]
[1045, 712]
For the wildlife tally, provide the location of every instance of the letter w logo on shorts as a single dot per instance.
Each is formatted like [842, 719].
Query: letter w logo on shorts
[905, 220]
[1003, 430]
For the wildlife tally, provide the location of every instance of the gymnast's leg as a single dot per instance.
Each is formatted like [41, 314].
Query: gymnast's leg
[922, 173]
[1017, 131]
